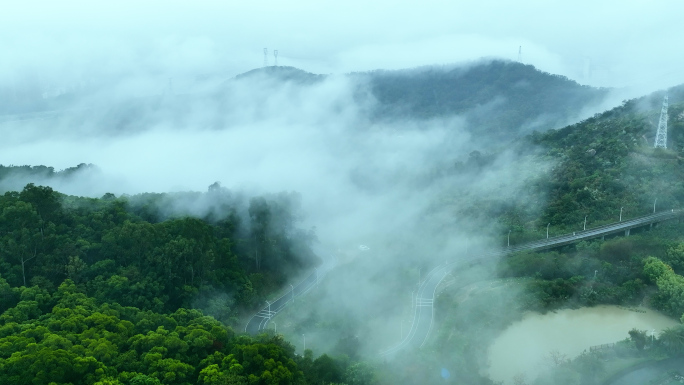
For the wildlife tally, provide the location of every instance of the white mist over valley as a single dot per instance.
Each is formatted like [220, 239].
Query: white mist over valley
[392, 191]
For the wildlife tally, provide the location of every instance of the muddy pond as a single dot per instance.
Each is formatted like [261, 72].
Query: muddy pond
[525, 346]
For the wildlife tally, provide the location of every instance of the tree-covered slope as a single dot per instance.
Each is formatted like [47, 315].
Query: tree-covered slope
[67, 338]
[143, 251]
[14, 178]
[589, 169]
[100, 291]
[499, 99]
[281, 74]
[508, 98]
[608, 161]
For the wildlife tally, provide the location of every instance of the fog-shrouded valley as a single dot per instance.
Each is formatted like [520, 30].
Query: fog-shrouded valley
[172, 213]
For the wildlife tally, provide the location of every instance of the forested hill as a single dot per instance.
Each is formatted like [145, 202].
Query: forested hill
[501, 99]
[215, 251]
[498, 96]
[107, 291]
[608, 161]
[594, 168]
[14, 178]
[283, 74]
[588, 169]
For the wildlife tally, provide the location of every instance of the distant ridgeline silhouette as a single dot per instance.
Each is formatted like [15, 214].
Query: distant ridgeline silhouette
[14, 178]
[495, 97]
[501, 98]
[283, 73]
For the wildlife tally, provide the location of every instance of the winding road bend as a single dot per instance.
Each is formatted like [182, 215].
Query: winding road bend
[424, 309]
[259, 321]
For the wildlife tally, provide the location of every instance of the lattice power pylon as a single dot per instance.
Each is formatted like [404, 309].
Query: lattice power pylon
[661, 134]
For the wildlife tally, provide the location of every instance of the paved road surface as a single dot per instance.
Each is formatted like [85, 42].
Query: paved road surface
[260, 320]
[424, 310]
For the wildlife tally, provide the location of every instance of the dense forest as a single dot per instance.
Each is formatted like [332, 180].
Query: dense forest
[499, 99]
[98, 290]
[15, 178]
[608, 161]
[151, 288]
[66, 337]
[597, 168]
[138, 252]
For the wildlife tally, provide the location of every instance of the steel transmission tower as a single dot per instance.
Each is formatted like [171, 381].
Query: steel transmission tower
[520, 54]
[661, 134]
[265, 57]
[275, 55]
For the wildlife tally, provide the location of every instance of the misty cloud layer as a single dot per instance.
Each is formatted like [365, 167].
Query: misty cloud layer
[148, 94]
[394, 186]
[259, 135]
[79, 43]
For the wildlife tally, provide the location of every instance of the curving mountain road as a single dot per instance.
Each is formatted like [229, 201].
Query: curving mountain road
[424, 309]
[260, 320]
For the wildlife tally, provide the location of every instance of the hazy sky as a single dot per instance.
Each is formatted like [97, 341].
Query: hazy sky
[598, 42]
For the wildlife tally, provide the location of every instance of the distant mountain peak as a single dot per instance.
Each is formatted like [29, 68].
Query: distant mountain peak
[283, 73]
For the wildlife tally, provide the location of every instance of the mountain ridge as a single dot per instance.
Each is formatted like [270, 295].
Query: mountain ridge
[505, 99]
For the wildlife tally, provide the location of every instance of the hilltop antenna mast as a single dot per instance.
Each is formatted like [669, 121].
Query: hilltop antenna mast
[265, 57]
[520, 54]
[275, 55]
[661, 134]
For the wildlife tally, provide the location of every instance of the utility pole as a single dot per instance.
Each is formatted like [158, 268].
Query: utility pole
[547, 230]
[585, 222]
[621, 213]
[661, 134]
[520, 54]
[654, 202]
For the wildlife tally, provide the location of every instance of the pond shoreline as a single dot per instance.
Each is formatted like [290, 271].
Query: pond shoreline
[525, 346]
[641, 372]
